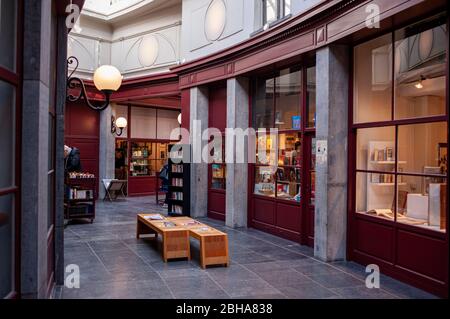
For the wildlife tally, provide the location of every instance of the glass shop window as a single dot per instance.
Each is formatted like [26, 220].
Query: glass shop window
[402, 167]
[420, 71]
[288, 88]
[372, 97]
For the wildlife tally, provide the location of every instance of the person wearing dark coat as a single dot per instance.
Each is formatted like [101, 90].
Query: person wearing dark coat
[72, 159]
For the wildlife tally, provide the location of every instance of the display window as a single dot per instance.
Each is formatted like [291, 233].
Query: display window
[401, 126]
[218, 168]
[147, 158]
[283, 175]
[279, 153]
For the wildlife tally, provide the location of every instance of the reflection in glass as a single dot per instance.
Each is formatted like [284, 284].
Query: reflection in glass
[8, 34]
[6, 244]
[288, 95]
[373, 80]
[263, 115]
[420, 71]
[423, 148]
[271, 10]
[311, 96]
[7, 140]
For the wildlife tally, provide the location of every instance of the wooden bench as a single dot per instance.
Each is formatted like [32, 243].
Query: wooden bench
[213, 243]
[175, 239]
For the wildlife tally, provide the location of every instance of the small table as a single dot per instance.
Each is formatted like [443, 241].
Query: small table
[213, 243]
[175, 238]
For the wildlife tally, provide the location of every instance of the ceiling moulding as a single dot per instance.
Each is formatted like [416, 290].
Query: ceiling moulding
[103, 10]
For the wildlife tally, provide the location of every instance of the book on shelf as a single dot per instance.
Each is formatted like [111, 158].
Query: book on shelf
[177, 182]
[381, 178]
[177, 168]
[383, 155]
[75, 193]
[177, 196]
[177, 209]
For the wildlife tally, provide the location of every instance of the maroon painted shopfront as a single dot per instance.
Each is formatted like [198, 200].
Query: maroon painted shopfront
[217, 171]
[398, 203]
[281, 182]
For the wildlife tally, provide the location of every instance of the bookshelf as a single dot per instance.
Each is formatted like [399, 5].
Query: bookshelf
[179, 196]
[79, 198]
[381, 186]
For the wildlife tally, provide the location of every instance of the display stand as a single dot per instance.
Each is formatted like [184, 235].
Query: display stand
[79, 198]
[179, 193]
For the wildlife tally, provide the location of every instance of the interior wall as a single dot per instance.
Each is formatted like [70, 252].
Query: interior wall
[140, 46]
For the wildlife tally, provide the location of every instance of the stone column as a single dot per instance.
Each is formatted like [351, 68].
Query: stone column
[332, 74]
[35, 130]
[237, 172]
[107, 150]
[199, 169]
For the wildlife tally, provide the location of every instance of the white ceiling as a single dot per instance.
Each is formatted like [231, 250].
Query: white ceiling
[115, 10]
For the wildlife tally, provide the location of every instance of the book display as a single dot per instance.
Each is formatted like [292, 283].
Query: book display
[420, 200]
[281, 178]
[140, 159]
[179, 181]
[80, 196]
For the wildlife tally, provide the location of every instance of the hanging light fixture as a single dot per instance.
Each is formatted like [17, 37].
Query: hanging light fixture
[179, 119]
[107, 79]
[117, 126]
[419, 85]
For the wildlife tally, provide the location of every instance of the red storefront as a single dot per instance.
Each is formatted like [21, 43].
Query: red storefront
[390, 172]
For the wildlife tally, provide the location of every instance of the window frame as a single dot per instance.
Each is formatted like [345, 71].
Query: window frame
[396, 123]
[280, 12]
[14, 78]
[303, 131]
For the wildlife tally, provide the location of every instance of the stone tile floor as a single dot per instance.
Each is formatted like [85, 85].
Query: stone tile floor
[114, 264]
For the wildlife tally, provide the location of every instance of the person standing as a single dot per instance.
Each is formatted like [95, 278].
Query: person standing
[72, 159]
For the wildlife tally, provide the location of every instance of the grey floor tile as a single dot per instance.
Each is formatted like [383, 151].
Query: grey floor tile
[336, 280]
[308, 291]
[250, 258]
[317, 269]
[199, 282]
[114, 264]
[248, 288]
[284, 278]
[362, 292]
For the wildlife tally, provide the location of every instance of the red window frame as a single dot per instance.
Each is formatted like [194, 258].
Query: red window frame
[15, 79]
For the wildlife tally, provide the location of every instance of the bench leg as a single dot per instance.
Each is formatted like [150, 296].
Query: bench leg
[202, 253]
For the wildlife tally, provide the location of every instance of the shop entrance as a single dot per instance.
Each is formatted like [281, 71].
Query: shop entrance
[217, 170]
[282, 180]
